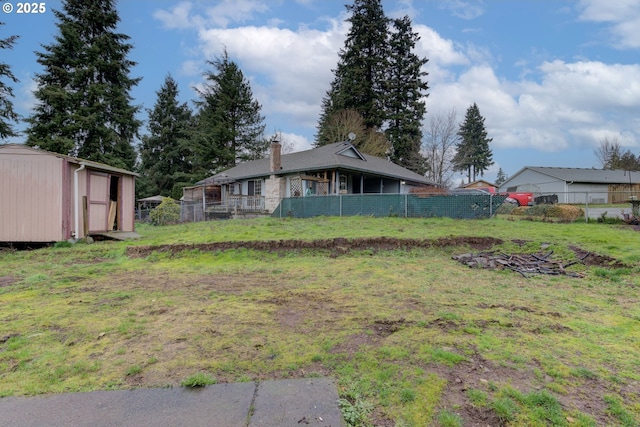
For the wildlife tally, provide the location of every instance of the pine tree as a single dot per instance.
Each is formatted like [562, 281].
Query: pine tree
[501, 177]
[473, 154]
[405, 89]
[166, 159]
[230, 128]
[360, 74]
[84, 106]
[6, 92]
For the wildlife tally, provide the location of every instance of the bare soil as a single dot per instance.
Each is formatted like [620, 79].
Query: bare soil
[338, 246]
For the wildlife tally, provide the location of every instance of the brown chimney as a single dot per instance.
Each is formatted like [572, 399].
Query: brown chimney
[276, 155]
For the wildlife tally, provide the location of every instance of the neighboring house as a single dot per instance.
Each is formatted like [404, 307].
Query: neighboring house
[332, 169]
[481, 184]
[576, 185]
[49, 197]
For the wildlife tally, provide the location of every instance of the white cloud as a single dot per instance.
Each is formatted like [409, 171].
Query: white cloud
[25, 100]
[289, 70]
[572, 105]
[178, 18]
[226, 12]
[292, 143]
[191, 68]
[402, 8]
[623, 16]
[463, 9]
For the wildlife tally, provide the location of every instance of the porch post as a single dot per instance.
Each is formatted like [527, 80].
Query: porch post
[204, 203]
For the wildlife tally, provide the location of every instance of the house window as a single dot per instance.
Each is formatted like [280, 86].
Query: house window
[343, 184]
[254, 188]
[233, 189]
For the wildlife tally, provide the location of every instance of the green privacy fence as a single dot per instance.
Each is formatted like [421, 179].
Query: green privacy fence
[463, 206]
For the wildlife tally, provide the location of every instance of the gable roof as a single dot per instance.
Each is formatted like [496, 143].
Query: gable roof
[24, 149]
[339, 155]
[586, 175]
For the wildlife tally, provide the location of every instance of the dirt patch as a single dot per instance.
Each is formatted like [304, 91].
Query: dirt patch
[339, 246]
[335, 246]
[6, 281]
[597, 260]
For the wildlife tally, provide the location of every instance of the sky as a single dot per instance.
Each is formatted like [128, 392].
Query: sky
[552, 79]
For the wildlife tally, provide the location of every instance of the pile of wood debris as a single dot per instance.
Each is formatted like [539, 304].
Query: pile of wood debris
[525, 264]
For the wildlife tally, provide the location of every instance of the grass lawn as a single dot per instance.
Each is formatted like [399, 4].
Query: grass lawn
[412, 336]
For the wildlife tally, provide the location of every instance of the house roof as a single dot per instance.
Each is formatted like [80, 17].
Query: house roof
[479, 183]
[339, 155]
[94, 165]
[586, 175]
[156, 199]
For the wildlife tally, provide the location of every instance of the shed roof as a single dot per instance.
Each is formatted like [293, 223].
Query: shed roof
[339, 155]
[586, 175]
[24, 149]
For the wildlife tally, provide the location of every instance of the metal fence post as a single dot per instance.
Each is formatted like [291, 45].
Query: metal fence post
[490, 205]
[586, 207]
[406, 206]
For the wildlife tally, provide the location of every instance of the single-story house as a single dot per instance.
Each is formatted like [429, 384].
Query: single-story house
[50, 197]
[576, 185]
[333, 169]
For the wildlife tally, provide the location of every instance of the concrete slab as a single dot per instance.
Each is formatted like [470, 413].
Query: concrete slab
[295, 403]
[310, 401]
[219, 405]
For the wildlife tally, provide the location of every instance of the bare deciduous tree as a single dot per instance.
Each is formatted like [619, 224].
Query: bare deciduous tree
[369, 141]
[439, 141]
[608, 152]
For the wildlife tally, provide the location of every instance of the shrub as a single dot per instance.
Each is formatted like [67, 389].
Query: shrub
[519, 210]
[506, 209]
[537, 210]
[167, 212]
[564, 212]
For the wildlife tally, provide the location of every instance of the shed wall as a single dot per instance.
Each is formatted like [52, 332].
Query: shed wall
[31, 191]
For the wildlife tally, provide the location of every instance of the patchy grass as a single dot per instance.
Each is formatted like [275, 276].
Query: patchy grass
[413, 337]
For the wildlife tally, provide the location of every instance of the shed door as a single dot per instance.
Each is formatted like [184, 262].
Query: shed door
[98, 201]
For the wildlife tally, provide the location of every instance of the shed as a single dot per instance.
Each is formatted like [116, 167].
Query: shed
[51, 197]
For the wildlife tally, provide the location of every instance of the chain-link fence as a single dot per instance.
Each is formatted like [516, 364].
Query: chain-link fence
[596, 204]
[467, 206]
[464, 206]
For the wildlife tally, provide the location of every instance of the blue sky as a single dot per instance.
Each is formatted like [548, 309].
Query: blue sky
[551, 78]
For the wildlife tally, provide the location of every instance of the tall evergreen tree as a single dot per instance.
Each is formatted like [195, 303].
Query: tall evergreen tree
[230, 128]
[165, 157]
[84, 106]
[405, 105]
[501, 177]
[7, 114]
[473, 154]
[360, 74]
